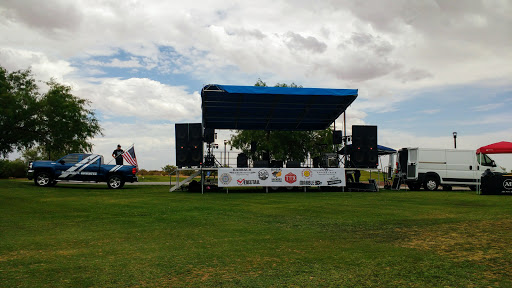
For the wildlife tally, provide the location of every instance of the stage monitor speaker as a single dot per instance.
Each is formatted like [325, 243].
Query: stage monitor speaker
[261, 164]
[189, 144]
[241, 161]
[364, 152]
[337, 137]
[276, 164]
[209, 135]
[293, 164]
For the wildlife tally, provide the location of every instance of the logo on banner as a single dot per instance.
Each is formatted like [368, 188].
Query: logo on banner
[290, 178]
[307, 173]
[326, 171]
[310, 182]
[276, 174]
[263, 174]
[242, 182]
[333, 181]
[225, 178]
[507, 184]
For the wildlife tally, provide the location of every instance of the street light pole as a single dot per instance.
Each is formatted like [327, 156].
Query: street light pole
[455, 140]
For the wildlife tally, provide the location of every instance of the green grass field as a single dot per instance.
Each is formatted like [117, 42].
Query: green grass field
[144, 236]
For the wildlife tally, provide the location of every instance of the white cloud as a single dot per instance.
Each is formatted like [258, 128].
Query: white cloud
[132, 63]
[487, 107]
[142, 98]
[430, 111]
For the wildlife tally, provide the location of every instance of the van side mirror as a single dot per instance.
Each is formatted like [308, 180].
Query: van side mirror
[62, 162]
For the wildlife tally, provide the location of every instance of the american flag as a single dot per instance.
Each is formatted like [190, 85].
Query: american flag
[129, 156]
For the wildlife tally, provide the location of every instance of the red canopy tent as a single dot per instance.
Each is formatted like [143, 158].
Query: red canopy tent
[496, 148]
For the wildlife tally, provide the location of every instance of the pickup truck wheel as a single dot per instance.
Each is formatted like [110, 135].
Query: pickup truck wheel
[115, 182]
[43, 179]
[431, 184]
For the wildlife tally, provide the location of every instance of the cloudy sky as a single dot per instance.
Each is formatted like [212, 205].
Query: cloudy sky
[423, 68]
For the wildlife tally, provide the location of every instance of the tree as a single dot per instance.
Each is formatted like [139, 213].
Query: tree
[19, 110]
[32, 154]
[66, 124]
[57, 122]
[283, 145]
[169, 169]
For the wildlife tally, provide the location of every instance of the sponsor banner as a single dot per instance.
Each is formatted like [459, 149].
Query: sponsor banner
[232, 177]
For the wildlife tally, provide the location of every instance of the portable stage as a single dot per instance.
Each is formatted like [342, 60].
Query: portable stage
[273, 109]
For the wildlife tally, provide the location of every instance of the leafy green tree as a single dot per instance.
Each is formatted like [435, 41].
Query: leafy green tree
[57, 122]
[32, 154]
[66, 124]
[169, 169]
[19, 110]
[283, 145]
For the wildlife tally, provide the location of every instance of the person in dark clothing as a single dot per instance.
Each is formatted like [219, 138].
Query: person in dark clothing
[117, 155]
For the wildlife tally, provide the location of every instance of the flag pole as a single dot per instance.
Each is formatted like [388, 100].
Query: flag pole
[133, 144]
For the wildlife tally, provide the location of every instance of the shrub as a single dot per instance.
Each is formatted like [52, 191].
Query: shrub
[15, 168]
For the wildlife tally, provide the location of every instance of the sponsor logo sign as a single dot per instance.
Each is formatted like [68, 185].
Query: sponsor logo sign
[244, 182]
[307, 173]
[278, 177]
[290, 178]
[225, 178]
[310, 183]
[333, 181]
[263, 174]
[507, 184]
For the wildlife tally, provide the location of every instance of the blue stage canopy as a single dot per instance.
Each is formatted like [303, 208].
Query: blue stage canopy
[272, 108]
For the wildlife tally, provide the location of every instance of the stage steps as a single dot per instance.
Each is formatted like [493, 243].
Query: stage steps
[177, 186]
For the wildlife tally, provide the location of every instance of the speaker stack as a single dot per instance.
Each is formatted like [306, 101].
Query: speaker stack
[364, 152]
[189, 144]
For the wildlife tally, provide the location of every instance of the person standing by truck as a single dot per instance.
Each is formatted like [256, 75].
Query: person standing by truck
[117, 155]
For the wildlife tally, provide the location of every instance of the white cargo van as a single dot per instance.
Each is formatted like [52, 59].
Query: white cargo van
[446, 167]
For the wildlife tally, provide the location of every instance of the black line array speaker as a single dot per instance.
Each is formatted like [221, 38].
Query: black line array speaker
[209, 135]
[242, 161]
[189, 144]
[364, 152]
[292, 164]
[337, 137]
[261, 164]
